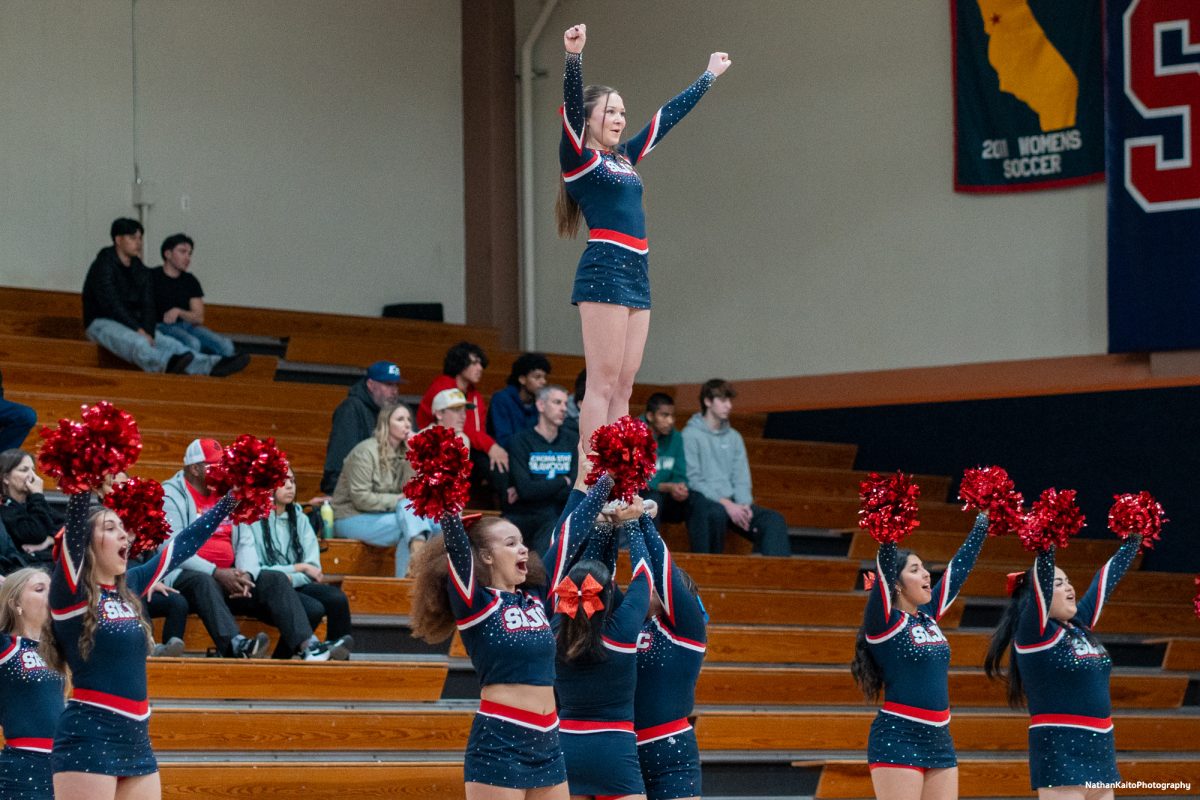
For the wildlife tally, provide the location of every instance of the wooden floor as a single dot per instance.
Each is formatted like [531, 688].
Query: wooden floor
[775, 685]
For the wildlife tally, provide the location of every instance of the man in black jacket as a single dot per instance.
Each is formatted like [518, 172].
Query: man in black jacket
[119, 315]
[355, 417]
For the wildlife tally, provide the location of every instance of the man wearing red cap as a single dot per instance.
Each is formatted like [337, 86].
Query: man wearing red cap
[215, 589]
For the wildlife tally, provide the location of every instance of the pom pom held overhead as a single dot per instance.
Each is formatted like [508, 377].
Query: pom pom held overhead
[139, 504]
[79, 454]
[252, 469]
[888, 508]
[443, 466]
[1052, 520]
[1137, 513]
[626, 450]
[990, 490]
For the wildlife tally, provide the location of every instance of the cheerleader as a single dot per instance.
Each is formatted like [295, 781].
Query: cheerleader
[600, 185]
[31, 694]
[1057, 665]
[597, 630]
[102, 742]
[670, 652]
[901, 650]
[485, 581]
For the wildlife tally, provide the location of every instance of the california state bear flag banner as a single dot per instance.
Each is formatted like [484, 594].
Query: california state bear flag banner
[1028, 100]
[1152, 81]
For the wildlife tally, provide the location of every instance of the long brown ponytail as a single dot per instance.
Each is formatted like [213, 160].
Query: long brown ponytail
[567, 214]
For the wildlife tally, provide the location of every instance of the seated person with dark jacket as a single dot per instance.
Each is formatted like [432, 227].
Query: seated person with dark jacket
[119, 315]
[28, 517]
[514, 408]
[543, 462]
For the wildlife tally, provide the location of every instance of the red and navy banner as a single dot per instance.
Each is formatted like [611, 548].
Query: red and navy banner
[1152, 81]
[1028, 101]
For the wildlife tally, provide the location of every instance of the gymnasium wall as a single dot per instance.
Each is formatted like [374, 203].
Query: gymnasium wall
[312, 149]
[801, 219]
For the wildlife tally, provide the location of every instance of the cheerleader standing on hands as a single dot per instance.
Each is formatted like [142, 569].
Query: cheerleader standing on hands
[601, 186]
[901, 650]
[487, 583]
[31, 694]
[1057, 665]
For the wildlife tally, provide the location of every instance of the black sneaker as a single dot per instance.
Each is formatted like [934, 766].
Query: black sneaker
[251, 648]
[339, 650]
[178, 363]
[229, 365]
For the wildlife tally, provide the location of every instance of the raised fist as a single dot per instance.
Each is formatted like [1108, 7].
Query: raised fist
[718, 63]
[574, 37]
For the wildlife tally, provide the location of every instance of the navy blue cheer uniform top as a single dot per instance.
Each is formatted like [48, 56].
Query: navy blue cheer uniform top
[671, 650]
[113, 676]
[599, 696]
[911, 728]
[613, 268]
[31, 696]
[1065, 674]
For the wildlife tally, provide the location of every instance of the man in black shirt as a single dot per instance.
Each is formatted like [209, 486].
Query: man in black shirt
[119, 315]
[542, 464]
[179, 300]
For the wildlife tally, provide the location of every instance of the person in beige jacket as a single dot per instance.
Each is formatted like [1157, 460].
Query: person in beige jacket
[368, 501]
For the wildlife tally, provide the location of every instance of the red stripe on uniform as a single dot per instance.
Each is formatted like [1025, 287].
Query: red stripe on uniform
[10, 650]
[587, 165]
[36, 745]
[138, 709]
[1101, 724]
[618, 238]
[656, 732]
[594, 726]
[518, 715]
[925, 715]
[463, 624]
[885, 765]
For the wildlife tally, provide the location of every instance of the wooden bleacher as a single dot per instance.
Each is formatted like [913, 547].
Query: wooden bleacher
[393, 721]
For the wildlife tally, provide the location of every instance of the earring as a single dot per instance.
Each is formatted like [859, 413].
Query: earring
[20, 611]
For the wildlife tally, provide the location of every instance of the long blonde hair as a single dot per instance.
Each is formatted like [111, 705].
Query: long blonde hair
[50, 648]
[567, 214]
[10, 594]
[391, 460]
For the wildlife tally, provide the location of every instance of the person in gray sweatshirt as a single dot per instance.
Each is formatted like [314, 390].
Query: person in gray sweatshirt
[718, 469]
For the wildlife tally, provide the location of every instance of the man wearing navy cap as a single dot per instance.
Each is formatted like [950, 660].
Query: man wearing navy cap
[354, 418]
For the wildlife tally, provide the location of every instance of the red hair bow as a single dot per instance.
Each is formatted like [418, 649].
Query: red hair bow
[570, 597]
[1011, 581]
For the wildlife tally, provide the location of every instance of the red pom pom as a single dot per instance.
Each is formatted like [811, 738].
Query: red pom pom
[79, 454]
[443, 480]
[626, 450]
[1052, 520]
[889, 506]
[139, 504]
[989, 489]
[252, 469]
[1137, 513]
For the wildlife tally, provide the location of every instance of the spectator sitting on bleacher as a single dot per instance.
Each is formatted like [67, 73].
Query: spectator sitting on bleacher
[462, 369]
[285, 542]
[118, 312]
[179, 302]
[215, 589]
[369, 503]
[543, 462]
[669, 487]
[16, 421]
[718, 469]
[355, 417]
[514, 408]
[11, 559]
[571, 422]
[28, 517]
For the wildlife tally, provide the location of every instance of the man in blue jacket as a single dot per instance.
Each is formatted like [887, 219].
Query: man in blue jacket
[718, 470]
[514, 408]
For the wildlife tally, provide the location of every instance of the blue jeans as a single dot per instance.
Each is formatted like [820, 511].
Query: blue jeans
[16, 421]
[385, 529]
[126, 343]
[198, 338]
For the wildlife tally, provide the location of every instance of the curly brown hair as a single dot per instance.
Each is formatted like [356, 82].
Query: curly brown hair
[431, 616]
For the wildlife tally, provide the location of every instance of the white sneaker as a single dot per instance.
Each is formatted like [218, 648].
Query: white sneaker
[317, 651]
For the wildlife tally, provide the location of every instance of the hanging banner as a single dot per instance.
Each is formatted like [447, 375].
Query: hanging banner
[1152, 79]
[1028, 102]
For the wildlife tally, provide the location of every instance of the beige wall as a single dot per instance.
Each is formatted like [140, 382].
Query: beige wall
[319, 152]
[801, 219]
